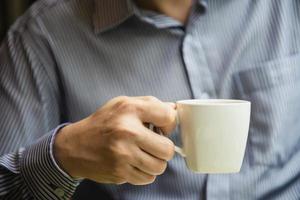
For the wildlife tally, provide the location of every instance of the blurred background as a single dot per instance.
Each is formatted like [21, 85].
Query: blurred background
[9, 11]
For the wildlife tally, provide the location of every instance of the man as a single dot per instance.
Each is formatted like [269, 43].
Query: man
[80, 81]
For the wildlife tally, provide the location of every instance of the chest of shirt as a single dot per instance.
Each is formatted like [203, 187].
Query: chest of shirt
[238, 50]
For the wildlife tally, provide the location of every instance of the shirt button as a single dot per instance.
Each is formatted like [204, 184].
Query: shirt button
[59, 192]
[188, 39]
[204, 96]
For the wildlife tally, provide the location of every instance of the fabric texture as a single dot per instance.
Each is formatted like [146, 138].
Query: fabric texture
[65, 58]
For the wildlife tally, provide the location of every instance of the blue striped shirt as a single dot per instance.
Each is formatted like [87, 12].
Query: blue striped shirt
[65, 58]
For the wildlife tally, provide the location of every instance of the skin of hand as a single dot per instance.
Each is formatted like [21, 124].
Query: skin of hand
[114, 146]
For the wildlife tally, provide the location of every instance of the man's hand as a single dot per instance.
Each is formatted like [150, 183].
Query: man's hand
[113, 145]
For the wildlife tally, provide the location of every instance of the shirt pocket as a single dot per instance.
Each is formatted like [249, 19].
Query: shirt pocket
[274, 90]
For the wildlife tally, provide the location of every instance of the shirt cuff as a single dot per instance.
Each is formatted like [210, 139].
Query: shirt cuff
[42, 175]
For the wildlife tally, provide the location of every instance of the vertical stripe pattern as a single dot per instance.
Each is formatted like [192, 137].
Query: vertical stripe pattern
[65, 58]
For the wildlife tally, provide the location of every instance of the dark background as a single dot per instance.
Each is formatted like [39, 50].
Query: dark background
[9, 11]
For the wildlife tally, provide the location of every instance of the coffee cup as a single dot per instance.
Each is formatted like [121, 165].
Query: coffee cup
[214, 134]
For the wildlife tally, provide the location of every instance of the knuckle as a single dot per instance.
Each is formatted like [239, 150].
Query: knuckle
[119, 155]
[125, 104]
[169, 116]
[125, 130]
[122, 98]
[122, 154]
[151, 98]
[121, 126]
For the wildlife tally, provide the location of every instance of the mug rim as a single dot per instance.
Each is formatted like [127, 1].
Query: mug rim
[212, 102]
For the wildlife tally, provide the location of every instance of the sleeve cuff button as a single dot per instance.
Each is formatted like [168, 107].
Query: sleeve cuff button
[59, 192]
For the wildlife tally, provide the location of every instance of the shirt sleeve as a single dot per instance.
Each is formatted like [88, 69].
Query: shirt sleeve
[30, 110]
[32, 173]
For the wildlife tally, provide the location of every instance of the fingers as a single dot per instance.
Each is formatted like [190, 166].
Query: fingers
[148, 163]
[148, 109]
[158, 146]
[138, 177]
[163, 115]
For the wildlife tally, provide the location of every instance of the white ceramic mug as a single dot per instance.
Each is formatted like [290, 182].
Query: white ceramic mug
[214, 134]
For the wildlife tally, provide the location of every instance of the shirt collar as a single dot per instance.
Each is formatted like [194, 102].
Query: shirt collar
[111, 13]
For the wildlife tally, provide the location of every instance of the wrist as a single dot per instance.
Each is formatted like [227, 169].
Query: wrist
[63, 150]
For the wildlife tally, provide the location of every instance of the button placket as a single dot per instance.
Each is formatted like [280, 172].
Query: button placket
[217, 187]
[197, 68]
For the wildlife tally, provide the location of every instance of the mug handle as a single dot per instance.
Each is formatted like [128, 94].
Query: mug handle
[180, 151]
[177, 149]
